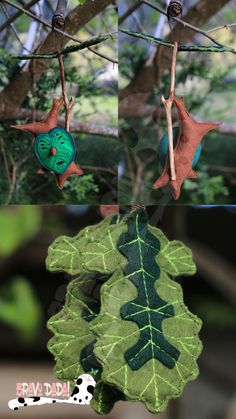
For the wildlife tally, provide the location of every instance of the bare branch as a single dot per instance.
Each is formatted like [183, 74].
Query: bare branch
[75, 126]
[182, 22]
[17, 14]
[67, 35]
[13, 95]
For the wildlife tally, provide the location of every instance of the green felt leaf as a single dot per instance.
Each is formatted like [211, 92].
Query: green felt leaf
[153, 384]
[92, 250]
[147, 340]
[72, 343]
[174, 257]
[142, 341]
[55, 150]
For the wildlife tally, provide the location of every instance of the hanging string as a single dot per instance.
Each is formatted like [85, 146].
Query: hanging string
[175, 9]
[58, 20]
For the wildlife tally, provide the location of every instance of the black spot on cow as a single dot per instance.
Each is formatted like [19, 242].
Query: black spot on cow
[79, 381]
[21, 400]
[75, 399]
[75, 391]
[90, 389]
[25, 404]
[86, 398]
[80, 400]
[36, 399]
[15, 408]
[54, 401]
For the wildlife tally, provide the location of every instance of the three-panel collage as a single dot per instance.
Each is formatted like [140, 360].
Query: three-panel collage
[118, 209]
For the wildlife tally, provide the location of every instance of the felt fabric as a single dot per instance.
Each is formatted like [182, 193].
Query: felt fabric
[47, 124]
[147, 310]
[153, 382]
[138, 335]
[92, 250]
[44, 130]
[55, 150]
[164, 148]
[190, 136]
[73, 342]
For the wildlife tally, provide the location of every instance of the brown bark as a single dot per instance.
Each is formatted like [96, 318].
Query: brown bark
[133, 97]
[12, 97]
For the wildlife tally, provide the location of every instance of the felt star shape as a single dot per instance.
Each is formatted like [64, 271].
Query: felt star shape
[46, 126]
[190, 136]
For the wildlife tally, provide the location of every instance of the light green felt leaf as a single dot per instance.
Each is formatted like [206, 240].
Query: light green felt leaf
[72, 343]
[92, 250]
[153, 383]
[174, 257]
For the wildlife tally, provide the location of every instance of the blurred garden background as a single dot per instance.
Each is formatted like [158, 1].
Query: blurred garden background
[206, 80]
[27, 89]
[29, 295]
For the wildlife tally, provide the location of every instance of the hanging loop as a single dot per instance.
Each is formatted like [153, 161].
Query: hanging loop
[175, 8]
[58, 20]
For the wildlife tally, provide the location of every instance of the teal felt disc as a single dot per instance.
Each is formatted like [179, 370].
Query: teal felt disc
[55, 150]
[164, 147]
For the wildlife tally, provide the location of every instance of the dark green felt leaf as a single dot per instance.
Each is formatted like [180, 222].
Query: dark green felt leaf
[73, 342]
[55, 150]
[147, 339]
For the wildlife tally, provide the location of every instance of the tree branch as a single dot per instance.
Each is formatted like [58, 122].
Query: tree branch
[75, 125]
[181, 48]
[67, 35]
[17, 14]
[67, 50]
[182, 22]
[134, 96]
[13, 95]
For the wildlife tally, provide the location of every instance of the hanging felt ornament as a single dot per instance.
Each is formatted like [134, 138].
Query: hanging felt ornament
[184, 146]
[164, 147]
[124, 320]
[53, 146]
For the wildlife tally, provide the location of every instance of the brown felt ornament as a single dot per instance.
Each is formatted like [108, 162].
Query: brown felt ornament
[190, 136]
[45, 126]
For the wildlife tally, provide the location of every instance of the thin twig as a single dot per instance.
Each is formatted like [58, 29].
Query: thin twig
[67, 50]
[217, 28]
[67, 35]
[181, 48]
[138, 181]
[5, 161]
[129, 12]
[182, 22]
[5, 12]
[17, 14]
[168, 105]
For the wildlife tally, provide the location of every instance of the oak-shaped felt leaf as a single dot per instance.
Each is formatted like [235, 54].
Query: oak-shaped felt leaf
[72, 343]
[92, 250]
[174, 257]
[147, 339]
